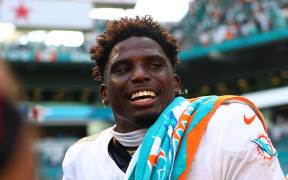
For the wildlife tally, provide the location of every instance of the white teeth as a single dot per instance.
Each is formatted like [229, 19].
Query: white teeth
[143, 100]
[143, 93]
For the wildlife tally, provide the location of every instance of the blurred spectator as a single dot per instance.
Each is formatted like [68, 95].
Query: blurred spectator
[280, 127]
[17, 156]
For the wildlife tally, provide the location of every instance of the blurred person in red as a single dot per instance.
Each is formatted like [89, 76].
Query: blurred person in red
[17, 155]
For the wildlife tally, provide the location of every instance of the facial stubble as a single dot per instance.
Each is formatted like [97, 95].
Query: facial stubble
[145, 120]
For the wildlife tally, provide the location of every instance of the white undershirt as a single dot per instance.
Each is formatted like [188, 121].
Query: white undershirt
[130, 139]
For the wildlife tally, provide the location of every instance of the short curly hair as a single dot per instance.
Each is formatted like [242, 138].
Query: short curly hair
[119, 30]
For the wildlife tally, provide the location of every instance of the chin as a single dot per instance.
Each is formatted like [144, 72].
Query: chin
[145, 120]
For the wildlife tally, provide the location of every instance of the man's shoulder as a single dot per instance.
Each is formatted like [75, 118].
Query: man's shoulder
[239, 114]
[229, 105]
[86, 152]
[92, 139]
[84, 145]
[88, 139]
[235, 125]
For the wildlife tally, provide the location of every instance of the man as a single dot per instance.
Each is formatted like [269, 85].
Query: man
[203, 138]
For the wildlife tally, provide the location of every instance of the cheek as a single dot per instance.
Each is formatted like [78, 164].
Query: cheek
[119, 80]
[115, 86]
[166, 79]
[115, 82]
[168, 84]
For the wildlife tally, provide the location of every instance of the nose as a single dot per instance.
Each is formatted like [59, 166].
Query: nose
[139, 75]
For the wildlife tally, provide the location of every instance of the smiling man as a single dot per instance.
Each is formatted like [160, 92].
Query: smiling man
[158, 135]
[139, 83]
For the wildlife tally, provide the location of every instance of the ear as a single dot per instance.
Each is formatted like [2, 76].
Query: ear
[104, 94]
[177, 83]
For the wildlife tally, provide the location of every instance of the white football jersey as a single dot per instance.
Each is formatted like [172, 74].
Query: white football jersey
[235, 146]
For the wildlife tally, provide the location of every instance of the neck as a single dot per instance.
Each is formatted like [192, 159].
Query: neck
[130, 139]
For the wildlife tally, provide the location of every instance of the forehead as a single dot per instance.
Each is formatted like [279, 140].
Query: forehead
[135, 46]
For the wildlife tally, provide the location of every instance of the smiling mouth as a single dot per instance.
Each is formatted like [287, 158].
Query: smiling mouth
[143, 96]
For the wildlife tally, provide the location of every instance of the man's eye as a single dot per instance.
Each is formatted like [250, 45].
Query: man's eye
[122, 69]
[155, 66]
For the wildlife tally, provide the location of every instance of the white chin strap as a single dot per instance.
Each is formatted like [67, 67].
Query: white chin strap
[131, 139]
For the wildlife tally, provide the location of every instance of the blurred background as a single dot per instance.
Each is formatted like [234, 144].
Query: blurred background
[228, 47]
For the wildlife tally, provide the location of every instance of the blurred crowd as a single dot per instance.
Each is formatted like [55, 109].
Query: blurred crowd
[214, 21]
[207, 22]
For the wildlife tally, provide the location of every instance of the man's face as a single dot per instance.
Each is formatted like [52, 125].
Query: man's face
[139, 83]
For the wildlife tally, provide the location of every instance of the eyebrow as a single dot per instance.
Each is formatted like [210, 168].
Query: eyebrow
[152, 57]
[126, 60]
[119, 62]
